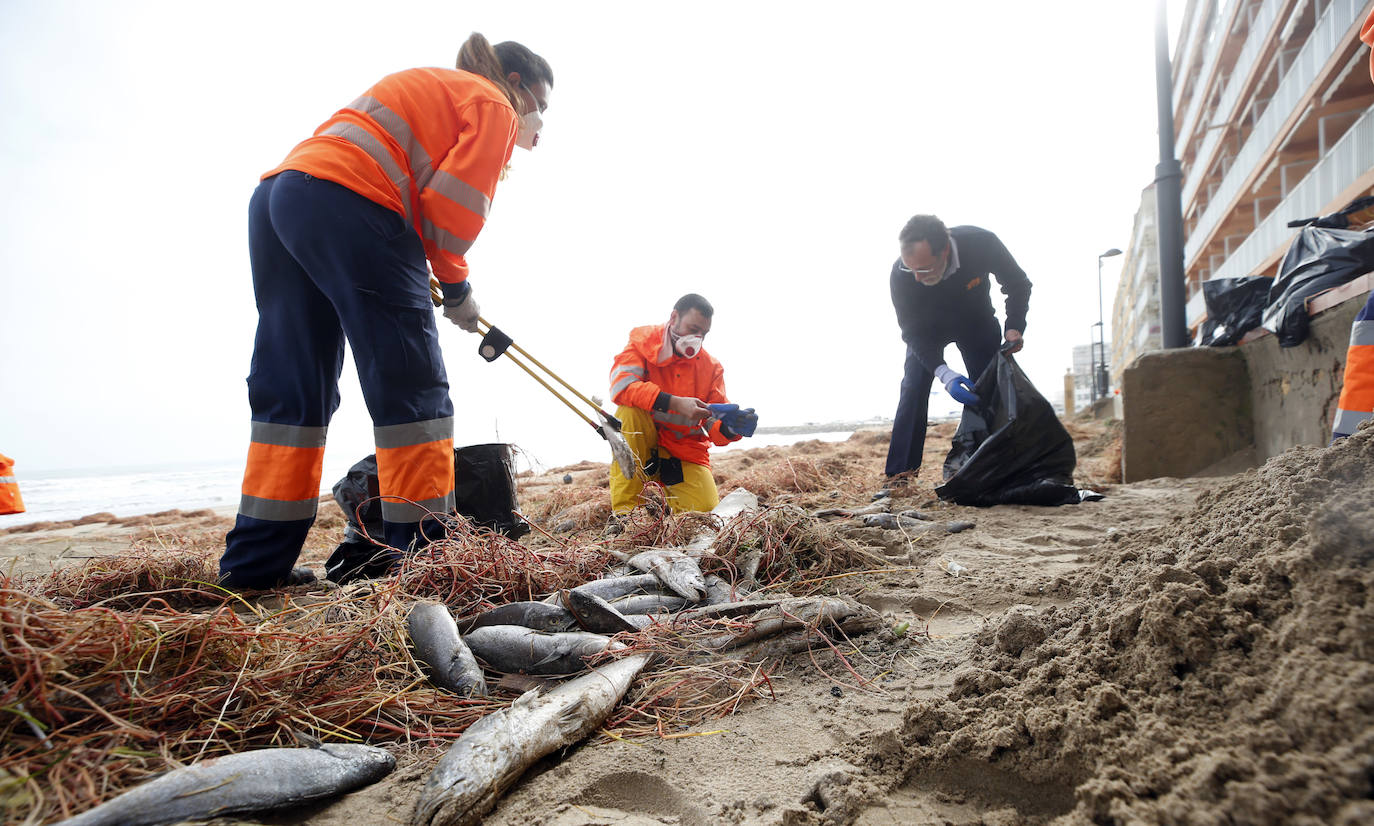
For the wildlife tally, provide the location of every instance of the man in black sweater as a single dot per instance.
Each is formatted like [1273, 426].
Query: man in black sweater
[940, 289]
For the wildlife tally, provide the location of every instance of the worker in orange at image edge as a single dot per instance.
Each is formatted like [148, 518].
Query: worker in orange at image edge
[10, 500]
[342, 236]
[673, 407]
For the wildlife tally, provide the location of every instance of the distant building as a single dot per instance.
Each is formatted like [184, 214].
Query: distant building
[1135, 310]
[1083, 360]
[1274, 121]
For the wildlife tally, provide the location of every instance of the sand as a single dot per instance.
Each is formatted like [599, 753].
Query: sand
[1184, 651]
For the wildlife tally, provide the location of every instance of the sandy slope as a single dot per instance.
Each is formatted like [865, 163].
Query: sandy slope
[1113, 661]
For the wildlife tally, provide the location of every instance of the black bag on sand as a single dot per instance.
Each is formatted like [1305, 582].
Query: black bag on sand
[1011, 449]
[484, 492]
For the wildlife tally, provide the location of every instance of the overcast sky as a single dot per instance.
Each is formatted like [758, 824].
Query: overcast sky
[763, 154]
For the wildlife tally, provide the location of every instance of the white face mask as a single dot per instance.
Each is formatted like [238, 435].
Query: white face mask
[530, 124]
[688, 346]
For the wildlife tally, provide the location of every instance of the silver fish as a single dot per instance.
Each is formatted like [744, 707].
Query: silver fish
[892, 521]
[493, 753]
[648, 604]
[250, 781]
[677, 570]
[718, 590]
[612, 587]
[731, 505]
[439, 646]
[540, 616]
[595, 614]
[511, 648]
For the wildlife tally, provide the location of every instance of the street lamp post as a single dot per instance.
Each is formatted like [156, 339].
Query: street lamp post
[1100, 383]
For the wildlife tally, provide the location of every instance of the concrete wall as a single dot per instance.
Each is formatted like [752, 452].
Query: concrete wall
[1294, 390]
[1184, 411]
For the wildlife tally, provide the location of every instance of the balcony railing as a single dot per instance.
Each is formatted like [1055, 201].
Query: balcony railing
[1212, 50]
[1351, 157]
[1265, 20]
[1320, 46]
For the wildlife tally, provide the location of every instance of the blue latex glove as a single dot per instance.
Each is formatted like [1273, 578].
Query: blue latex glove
[739, 422]
[957, 385]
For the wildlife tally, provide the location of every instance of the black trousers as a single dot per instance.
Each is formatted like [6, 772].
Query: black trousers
[978, 346]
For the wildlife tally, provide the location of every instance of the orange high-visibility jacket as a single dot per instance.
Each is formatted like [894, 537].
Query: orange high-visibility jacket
[10, 500]
[427, 143]
[649, 366]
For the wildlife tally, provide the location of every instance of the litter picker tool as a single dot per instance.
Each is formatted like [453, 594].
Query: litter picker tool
[496, 343]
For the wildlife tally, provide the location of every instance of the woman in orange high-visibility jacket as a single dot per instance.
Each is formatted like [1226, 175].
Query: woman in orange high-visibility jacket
[663, 382]
[338, 238]
[10, 500]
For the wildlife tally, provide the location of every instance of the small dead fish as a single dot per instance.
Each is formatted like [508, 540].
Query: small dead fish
[595, 614]
[540, 616]
[609, 589]
[251, 781]
[493, 753]
[648, 604]
[439, 646]
[958, 526]
[733, 504]
[677, 570]
[512, 648]
[825, 513]
[913, 514]
[891, 521]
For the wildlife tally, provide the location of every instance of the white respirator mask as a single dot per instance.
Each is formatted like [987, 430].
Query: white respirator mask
[530, 124]
[688, 346]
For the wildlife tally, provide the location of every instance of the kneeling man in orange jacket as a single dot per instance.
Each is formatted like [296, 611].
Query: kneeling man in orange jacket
[671, 399]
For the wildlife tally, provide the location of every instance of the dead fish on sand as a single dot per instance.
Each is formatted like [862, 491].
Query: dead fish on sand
[595, 614]
[493, 753]
[613, 587]
[892, 521]
[648, 604]
[512, 648]
[251, 781]
[677, 570]
[439, 646]
[541, 616]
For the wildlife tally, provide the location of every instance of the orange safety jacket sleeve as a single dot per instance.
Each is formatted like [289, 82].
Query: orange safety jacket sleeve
[455, 202]
[630, 383]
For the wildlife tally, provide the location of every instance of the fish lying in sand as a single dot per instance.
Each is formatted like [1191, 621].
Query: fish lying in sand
[513, 648]
[677, 570]
[439, 646]
[250, 781]
[493, 753]
[543, 616]
[733, 504]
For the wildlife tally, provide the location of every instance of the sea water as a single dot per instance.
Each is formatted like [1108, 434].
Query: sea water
[58, 496]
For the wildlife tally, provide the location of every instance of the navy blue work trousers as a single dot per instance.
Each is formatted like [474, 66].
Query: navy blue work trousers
[978, 347]
[329, 265]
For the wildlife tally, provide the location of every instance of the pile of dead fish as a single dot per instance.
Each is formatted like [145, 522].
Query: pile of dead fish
[560, 635]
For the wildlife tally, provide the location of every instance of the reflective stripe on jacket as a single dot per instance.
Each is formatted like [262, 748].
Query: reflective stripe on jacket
[1357, 391]
[10, 500]
[648, 366]
[427, 143]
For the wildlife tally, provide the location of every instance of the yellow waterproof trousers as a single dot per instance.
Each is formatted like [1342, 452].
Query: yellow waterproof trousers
[696, 491]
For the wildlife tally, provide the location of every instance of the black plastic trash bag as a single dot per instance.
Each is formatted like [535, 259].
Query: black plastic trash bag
[484, 492]
[1318, 260]
[1011, 449]
[1234, 307]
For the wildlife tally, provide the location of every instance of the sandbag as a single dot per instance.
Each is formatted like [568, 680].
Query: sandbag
[1011, 448]
[1318, 259]
[1234, 308]
[484, 493]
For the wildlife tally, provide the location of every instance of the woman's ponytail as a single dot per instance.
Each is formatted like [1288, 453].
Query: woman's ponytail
[477, 56]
